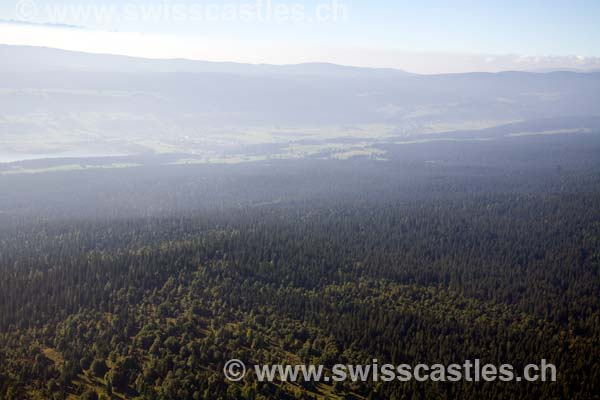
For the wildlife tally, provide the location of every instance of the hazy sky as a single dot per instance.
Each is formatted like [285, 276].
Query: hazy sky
[420, 36]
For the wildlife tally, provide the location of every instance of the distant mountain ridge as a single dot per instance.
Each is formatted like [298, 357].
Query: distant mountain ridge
[44, 58]
[63, 102]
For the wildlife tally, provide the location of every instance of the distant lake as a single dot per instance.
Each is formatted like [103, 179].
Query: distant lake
[13, 157]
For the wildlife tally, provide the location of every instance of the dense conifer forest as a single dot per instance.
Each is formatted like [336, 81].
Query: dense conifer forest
[452, 264]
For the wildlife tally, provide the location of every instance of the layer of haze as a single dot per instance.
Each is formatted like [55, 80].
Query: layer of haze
[430, 37]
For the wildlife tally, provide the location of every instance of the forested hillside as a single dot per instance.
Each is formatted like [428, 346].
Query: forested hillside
[151, 307]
